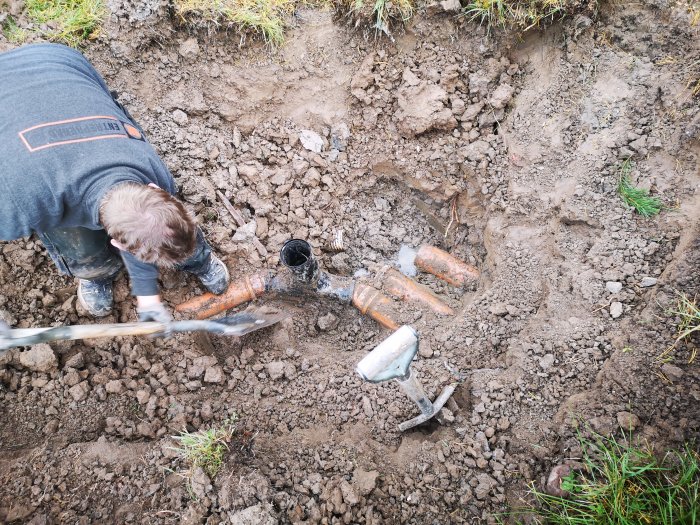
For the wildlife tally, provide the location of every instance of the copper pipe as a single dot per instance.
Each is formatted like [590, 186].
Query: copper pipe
[444, 266]
[407, 289]
[370, 301]
[247, 289]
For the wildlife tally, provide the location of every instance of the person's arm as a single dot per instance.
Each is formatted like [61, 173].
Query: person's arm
[144, 285]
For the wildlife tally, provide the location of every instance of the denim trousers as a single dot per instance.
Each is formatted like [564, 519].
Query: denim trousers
[87, 254]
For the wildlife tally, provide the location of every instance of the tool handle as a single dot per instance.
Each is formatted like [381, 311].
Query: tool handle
[31, 336]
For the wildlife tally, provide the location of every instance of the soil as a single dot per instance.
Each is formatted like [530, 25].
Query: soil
[503, 150]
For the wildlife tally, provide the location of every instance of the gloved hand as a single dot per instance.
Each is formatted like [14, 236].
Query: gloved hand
[155, 312]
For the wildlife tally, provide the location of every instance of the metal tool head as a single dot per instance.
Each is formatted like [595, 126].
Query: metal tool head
[253, 318]
[392, 358]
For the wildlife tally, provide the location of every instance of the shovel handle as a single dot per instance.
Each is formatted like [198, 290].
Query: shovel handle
[31, 336]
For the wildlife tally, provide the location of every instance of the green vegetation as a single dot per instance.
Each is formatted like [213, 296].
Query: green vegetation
[637, 198]
[381, 12]
[206, 449]
[263, 17]
[518, 14]
[623, 484]
[70, 22]
[13, 32]
[688, 315]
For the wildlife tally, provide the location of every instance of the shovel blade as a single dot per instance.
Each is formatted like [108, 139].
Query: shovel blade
[252, 319]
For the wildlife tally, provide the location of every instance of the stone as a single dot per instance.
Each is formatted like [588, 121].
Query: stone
[256, 515]
[485, 484]
[180, 117]
[553, 487]
[79, 391]
[145, 429]
[327, 322]
[311, 140]
[76, 361]
[500, 98]
[499, 309]
[547, 361]
[349, 496]
[422, 107]
[39, 358]
[627, 420]
[648, 281]
[672, 372]
[364, 481]
[613, 286]
[189, 48]
[114, 386]
[214, 374]
[275, 369]
[616, 309]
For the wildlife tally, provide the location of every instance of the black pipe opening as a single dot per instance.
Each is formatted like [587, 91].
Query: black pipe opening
[299, 258]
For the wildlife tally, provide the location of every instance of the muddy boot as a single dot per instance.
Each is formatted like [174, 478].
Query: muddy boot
[96, 296]
[214, 275]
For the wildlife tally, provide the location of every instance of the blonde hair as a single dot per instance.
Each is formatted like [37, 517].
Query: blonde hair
[149, 223]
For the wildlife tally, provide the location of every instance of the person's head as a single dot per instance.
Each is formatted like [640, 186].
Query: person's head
[149, 223]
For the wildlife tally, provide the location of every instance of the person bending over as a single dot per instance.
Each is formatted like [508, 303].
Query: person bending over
[76, 170]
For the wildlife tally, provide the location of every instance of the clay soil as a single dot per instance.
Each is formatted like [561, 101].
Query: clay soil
[502, 149]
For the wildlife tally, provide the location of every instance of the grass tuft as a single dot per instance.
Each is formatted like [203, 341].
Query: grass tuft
[263, 17]
[14, 33]
[518, 14]
[381, 15]
[635, 197]
[206, 449]
[70, 22]
[688, 315]
[623, 484]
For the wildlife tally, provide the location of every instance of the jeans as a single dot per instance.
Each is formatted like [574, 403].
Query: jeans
[87, 254]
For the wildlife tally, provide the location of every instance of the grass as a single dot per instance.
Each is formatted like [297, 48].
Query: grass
[206, 449]
[688, 315]
[70, 22]
[14, 33]
[382, 12]
[623, 484]
[635, 197]
[266, 18]
[517, 14]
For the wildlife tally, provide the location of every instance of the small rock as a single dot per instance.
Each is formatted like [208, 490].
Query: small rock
[180, 117]
[627, 420]
[256, 515]
[275, 369]
[648, 281]
[499, 309]
[79, 391]
[327, 322]
[447, 415]
[547, 361]
[39, 358]
[189, 48]
[364, 482]
[145, 429]
[613, 286]
[214, 374]
[142, 396]
[500, 98]
[616, 309]
[672, 372]
[311, 140]
[76, 361]
[114, 387]
[349, 496]
[425, 350]
[553, 487]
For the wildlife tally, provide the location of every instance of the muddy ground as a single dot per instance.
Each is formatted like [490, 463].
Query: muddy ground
[502, 149]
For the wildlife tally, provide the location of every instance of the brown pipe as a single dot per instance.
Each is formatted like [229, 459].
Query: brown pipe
[407, 289]
[239, 292]
[444, 266]
[370, 301]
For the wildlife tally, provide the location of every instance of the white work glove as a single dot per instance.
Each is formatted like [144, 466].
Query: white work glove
[155, 312]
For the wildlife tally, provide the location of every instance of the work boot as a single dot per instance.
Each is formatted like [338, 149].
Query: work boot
[96, 296]
[214, 275]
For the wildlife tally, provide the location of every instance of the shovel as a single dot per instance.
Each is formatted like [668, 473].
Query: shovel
[238, 324]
